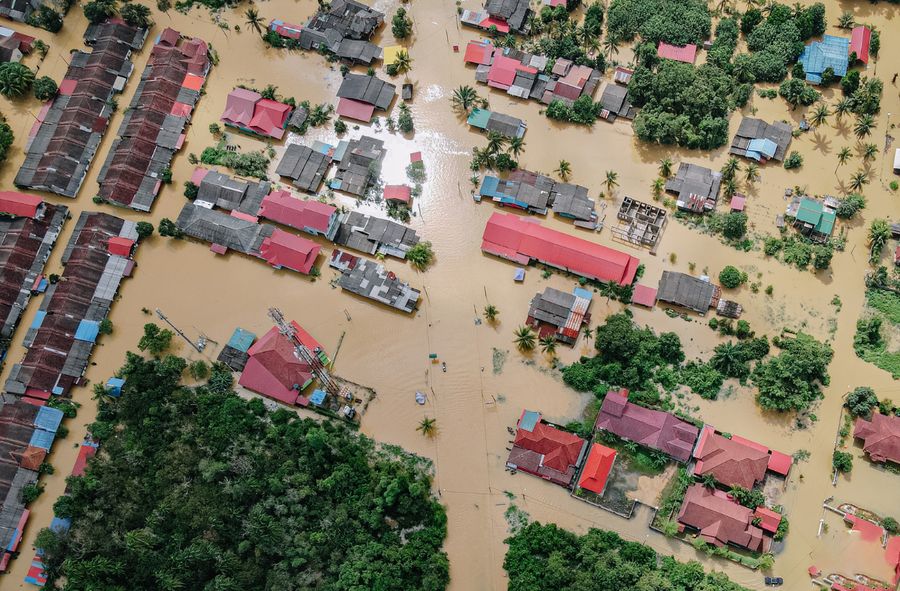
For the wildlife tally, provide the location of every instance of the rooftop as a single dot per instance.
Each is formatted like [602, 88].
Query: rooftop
[687, 291]
[548, 452]
[881, 437]
[596, 469]
[751, 136]
[720, 520]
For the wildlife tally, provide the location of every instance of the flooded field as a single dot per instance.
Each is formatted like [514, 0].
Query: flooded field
[473, 404]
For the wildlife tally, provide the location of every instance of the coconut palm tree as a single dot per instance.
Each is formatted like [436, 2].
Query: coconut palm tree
[403, 62]
[730, 168]
[843, 156]
[491, 312]
[879, 233]
[709, 481]
[15, 79]
[858, 180]
[254, 21]
[427, 426]
[846, 21]
[864, 125]
[842, 107]
[730, 187]
[610, 45]
[612, 180]
[665, 168]
[564, 170]
[657, 188]
[548, 345]
[728, 359]
[524, 339]
[464, 98]
[587, 331]
[869, 152]
[496, 142]
[820, 115]
[516, 145]
[751, 173]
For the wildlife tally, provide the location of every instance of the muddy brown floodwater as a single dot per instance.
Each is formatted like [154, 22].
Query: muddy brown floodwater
[474, 406]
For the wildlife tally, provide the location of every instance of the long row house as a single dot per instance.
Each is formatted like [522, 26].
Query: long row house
[154, 125]
[341, 27]
[64, 139]
[536, 193]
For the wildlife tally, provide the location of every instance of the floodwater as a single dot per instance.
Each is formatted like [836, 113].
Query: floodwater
[201, 292]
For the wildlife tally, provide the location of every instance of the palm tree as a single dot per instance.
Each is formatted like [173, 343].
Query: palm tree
[820, 114]
[709, 481]
[730, 187]
[728, 359]
[491, 312]
[858, 180]
[254, 21]
[879, 233]
[730, 168]
[846, 21]
[612, 180]
[403, 62]
[843, 156]
[427, 426]
[665, 168]
[464, 97]
[657, 188]
[564, 169]
[610, 45]
[516, 145]
[864, 125]
[548, 345]
[869, 152]
[496, 142]
[15, 79]
[587, 331]
[842, 107]
[524, 339]
[751, 173]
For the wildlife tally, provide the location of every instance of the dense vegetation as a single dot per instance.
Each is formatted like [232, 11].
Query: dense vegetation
[252, 164]
[548, 558]
[777, 40]
[870, 341]
[6, 138]
[792, 379]
[199, 489]
[674, 21]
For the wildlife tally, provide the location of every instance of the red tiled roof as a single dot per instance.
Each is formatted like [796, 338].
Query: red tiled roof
[282, 249]
[269, 118]
[120, 246]
[596, 468]
[33, 457]
[653, 428]
[282, 207]
[400, 193]
[84, 454]
[273, 370]
[730, 461]
[356, 110]
[239, 106]
[881, 437]
[686, 54]
[860, 38]
[769, 519]
[721, 520]
[478, 52]
[19, 204]
[490, 21]
[169, 36]
[559, 448]
[514, 238]
[503, 71]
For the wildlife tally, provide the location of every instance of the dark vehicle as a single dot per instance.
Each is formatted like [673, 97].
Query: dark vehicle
[774, 581]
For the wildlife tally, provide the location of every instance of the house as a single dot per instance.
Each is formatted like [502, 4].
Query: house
[560, 314]
[64, 139]
[153, 127]
[769, 520]
[285, 30]
[696, 187]
[881, 437]
[688, 292]
[344, 28]
[735, 461]
[480, 53]
[622, 75]
[360, 95]
[614, 103]
[595, 473]
[305, 166]
[679, 53]
[721, 521]
[644, 296]
[215, 189]
[9, 49]
[23, 205]
[813, 217]
[511, 127]
[274, 369]
[831, 53]
[248, 111]
[310, 216]
[545, 451]
[398, 194]
[231, 232]
[738, 202]
[20, 10]
[515, 13]
[284, 250]
[652, 428]
[358, 164]
[482, 20]
[61, 337]
[532, 197]
[761, 141]
[570, 201]
[371, 280]
[522, 241]
[369, 234]
[504, 70]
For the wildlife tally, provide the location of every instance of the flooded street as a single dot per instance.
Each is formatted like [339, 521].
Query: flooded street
[204, 293]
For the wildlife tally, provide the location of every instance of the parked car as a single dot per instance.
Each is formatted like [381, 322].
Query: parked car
[774, 581]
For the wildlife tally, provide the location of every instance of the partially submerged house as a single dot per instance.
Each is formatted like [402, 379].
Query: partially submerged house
[284, 250]
[306, 215]
[503, 16]
[13, 45]
[304, 166]
[831, 53]
[688, 292]
[696, 188]
[154, 125]
[814, 218]
[597, 467]
[249, 112]
[560, 314]
[506, 125]
[546, 451]
[721, 521]
[679, 53]
[216, 189]
[533, 197]
[29, 228]
[358, 164]
[61, 337]
[614, 103]
[344, 28]
[371, 280]
[761, 141]
[880, 436]
[370, 235]
[360, 95]
[860, 39]
[522, 241]
[20, 10]
[735, 461]
[235, 353]
[655, 429]
[64, 139]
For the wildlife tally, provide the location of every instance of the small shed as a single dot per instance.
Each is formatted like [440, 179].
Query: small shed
[644, 295]
[318, 397]
[397, 194]
[121, 246]
[241, 339]
[114, 387]
[737, 202]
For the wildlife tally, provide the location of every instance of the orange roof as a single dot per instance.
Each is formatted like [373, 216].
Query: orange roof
[597, 468]
[769, 519]
[193, 82]
[559, 448]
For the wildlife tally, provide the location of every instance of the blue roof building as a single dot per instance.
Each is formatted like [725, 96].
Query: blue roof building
[832, 52]
[114, 387]
[318, 397]
[241, 339]
[87, 331]
[48, 419]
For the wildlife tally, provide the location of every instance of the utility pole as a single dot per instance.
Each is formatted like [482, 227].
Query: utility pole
[162, 317]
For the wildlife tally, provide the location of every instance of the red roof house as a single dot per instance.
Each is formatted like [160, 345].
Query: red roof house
[653, 428]
[19, 204]
[397, 193]
[269, 118]
[881, 437]
[597, 467]
[356, 110]
[84, 454]
[644, 295]
[169, 37]
[239, 106]
[545, 451]
[310, 216]
[720, 520]
[479, 53]
[521, 240]
[282, 249]
[503, 71]
[273, 369]
[121, 246]
[731, 462]
[686, 54]
[860, 38]
[768, 519]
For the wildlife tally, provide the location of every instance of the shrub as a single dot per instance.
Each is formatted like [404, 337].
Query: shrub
[144, 230]
[30, 492]
[794, 160]
[45, 88]
[46, 18]
[850, 205]
[861, 401]
[842, 461]
[731, 277]
[15, 80]
[6, 138]
[401, 24]
[890, 525]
